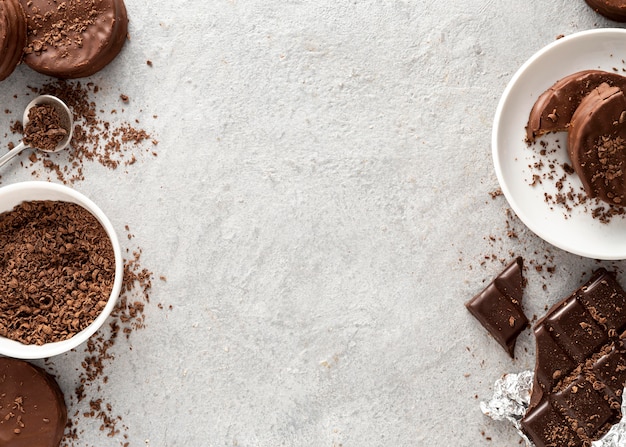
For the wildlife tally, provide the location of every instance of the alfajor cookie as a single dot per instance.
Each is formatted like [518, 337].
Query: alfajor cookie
[73, 38]
[597, 144]
[32, 407]
[612, 9]
[12, 36]
[554, 108]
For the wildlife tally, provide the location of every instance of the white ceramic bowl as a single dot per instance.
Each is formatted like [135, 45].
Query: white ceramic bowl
[13, 195]
[577, 231]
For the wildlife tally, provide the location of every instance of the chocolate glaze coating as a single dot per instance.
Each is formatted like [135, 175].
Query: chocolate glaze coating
[553, 110]
[12, 36]
[597, 144]
[92, 34]
[612, 9]
[580, 368]
[32, 409]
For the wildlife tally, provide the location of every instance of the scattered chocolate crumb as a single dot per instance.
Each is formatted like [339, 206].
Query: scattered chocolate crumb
[127, 317]
[94, 139]
[568, 197]
[568, 168]
[17, 127]
[496, 193]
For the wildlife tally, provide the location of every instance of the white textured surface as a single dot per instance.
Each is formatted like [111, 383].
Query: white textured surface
[320, 207]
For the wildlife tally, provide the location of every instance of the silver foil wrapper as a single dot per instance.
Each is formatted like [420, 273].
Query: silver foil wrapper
[510, 400]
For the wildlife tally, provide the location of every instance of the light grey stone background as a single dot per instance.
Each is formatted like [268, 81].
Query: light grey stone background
[320, 206]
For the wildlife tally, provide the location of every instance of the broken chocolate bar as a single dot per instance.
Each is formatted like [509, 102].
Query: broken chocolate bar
[498, 307]
[580, 368]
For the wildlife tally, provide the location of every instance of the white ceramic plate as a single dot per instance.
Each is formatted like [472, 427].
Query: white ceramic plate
[575, 231]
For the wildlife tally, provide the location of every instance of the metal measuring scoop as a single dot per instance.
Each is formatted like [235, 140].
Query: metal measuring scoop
[66, 123]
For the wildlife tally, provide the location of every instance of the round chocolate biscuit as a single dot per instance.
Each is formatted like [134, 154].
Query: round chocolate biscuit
[611, 9]
[32, 408]
[73, 38]
[597, 144]
[12, 36]
[554, 108]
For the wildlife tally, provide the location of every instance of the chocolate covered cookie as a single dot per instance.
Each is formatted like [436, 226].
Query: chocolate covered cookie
[12, 36]
[32, 408]
[73, 38]
[553, 110]
[612, 9]
[597, 144]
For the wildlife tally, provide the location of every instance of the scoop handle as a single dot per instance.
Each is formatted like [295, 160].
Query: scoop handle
[12, 153]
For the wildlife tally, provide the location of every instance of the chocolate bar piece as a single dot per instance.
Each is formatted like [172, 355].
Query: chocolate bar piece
[580, 368]
[498, 307]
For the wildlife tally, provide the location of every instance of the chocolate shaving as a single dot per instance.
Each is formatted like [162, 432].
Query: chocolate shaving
[44, 130]
[69, 25]
[56, 271]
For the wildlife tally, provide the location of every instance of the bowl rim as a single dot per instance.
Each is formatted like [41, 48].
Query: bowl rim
[43, 190]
